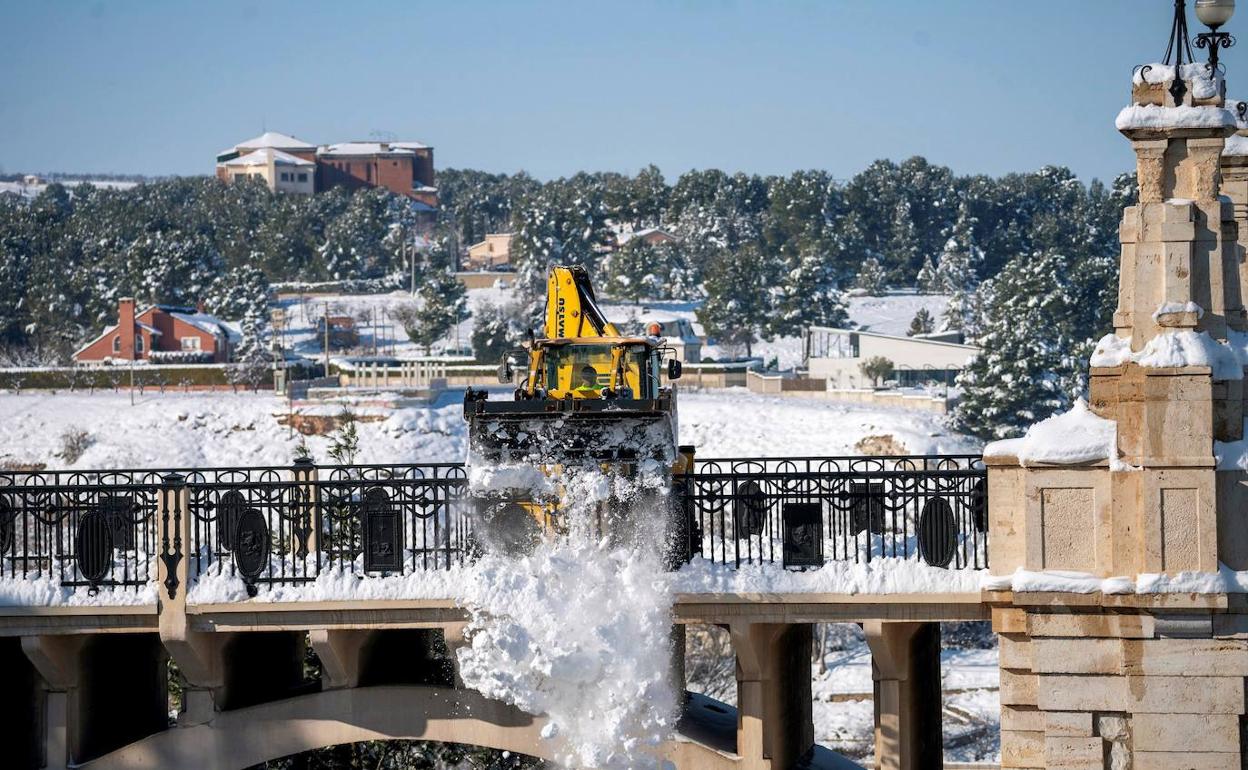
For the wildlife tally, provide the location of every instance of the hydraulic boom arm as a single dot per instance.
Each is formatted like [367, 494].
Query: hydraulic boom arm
[571, 310]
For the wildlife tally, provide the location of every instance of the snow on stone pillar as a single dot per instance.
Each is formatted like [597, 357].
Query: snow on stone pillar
[1180, 306]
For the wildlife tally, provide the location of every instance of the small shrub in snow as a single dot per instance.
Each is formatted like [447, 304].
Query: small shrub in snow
[344, 444]
[74, 443]
[922, 323]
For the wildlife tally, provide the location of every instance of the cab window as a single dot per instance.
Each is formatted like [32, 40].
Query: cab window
[586, 369]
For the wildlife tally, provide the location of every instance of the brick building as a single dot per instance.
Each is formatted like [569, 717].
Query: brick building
[161, 333]
[404, 168]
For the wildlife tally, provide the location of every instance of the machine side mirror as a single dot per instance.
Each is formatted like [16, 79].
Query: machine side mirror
[674, 369]
[505, 373]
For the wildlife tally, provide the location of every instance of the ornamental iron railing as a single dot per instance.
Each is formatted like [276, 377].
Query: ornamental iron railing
[293, 525]
[78, 530]
[362, 520]
[803, 512]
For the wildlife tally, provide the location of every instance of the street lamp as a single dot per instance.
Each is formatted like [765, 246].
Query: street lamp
[1213, 14]
[1179, 48]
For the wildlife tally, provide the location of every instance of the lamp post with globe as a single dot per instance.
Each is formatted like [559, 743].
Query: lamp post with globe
[1213, 14]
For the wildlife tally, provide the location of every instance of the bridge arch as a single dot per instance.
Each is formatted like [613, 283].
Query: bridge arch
[248, 736]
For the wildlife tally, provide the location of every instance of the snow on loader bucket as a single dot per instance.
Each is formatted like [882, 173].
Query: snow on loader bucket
[570, 431]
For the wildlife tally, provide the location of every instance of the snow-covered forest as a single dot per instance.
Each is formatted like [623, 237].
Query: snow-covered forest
[1029, 260]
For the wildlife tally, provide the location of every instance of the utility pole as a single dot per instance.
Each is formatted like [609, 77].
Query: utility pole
[326, 339]
[411, 248]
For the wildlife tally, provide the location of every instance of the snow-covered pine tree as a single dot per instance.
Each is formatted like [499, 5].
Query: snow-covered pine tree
[957, 313]
[442, 304]
[356, 243]
[871, 278]
[251, 361]
[1038, 326]
[496, 330]
[633, 272]
[954, 272]
[238, 292]
[901, 255]
[957, 274]
[563, 223]
[738, 302]
[926, 282]
[807, 295]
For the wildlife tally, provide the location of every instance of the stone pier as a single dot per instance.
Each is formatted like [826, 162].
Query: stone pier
[1128, 673]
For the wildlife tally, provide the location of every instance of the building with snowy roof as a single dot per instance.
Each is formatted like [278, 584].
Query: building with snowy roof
[403, 168]
[836, 355]
[490, 254]
[161, 333]
[652, 236]
[280, 170]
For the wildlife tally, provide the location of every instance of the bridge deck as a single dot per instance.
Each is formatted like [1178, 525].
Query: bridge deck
[428, 613]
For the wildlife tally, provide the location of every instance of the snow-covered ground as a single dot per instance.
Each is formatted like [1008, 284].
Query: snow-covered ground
[33, 190]
[217, 429]
[891, 314]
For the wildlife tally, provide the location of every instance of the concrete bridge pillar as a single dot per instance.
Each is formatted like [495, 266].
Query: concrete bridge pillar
[774, 724]
[339, 651]
[101, 692]
[905, 663]
[23, 708]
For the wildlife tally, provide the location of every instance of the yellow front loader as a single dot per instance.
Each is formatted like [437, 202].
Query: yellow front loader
[588, 393]
[588, 398]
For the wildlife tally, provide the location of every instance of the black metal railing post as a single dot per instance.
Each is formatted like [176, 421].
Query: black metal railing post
[306, 529]
[173, 520]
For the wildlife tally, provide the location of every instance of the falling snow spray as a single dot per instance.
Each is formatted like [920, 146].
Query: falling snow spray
[573, 620]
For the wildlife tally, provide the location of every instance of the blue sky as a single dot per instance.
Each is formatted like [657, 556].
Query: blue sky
[984, 86]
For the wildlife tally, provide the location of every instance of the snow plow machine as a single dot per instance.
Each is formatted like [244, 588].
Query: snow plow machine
[589, 399]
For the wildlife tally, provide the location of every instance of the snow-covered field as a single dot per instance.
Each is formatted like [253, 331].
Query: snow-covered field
[217, 429]
[33, 190]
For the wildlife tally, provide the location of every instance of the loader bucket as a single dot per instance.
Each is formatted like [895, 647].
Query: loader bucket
[570, 432]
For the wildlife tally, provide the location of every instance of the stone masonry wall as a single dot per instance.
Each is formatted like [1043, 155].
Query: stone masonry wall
[1121, 689]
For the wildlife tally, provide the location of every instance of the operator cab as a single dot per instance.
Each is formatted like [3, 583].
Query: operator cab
[627, 369]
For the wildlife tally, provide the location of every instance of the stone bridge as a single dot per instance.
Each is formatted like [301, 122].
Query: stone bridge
[121, 573]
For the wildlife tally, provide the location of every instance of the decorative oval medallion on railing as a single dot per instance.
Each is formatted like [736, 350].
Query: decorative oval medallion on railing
[230, 508]
[749, 509]
[93, 548]
[8, 518]
[251, 547]
[938, 533]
